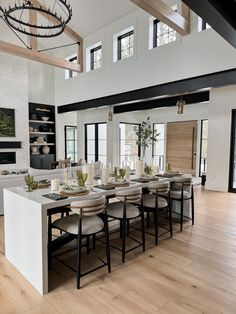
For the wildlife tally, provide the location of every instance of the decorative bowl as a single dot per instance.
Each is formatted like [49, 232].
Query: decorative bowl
[45, 118]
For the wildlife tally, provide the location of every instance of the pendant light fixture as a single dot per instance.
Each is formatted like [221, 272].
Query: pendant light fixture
[54, 15]
[180, 105]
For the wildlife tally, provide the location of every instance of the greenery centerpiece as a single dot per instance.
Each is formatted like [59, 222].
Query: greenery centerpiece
[31, 183]
[146, 135]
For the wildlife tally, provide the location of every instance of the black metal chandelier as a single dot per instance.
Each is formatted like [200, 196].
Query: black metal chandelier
[51, 20]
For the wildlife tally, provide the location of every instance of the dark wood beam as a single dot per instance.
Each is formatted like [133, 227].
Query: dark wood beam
[163, 102]
[220, 15]
[184, 86]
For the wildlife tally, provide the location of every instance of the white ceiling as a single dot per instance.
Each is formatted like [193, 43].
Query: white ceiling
[91, 15]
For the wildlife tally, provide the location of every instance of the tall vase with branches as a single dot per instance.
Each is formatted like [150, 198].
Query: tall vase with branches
[146, 135]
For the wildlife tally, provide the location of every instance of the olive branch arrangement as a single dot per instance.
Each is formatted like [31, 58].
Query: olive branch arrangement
[146, 135]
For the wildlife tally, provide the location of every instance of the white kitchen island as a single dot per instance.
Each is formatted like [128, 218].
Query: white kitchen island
[25, 225]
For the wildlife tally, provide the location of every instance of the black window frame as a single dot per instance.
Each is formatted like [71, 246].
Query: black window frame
[204, 25]
[119, 39]
[232, 150]
[162, 157]
[96, 139]
[75, 141]
[139, 146]
[92, 51]
[154, 35]
[200, 155]
[72, 59]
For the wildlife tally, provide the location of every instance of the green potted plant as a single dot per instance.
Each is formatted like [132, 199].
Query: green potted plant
[146, 135]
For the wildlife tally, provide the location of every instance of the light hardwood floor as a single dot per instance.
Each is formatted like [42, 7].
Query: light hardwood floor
[194, 272]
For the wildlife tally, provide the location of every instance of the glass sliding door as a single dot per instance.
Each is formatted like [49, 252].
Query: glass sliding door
[96, 142]
[232, 168]
[129, 150]
[71, 142]
[159, 146]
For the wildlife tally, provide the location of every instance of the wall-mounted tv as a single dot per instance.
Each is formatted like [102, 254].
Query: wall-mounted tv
[7, 122]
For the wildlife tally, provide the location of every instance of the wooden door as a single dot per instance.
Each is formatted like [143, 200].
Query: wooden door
[182, 146]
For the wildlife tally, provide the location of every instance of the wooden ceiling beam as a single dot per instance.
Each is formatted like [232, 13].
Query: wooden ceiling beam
[67, 31]
[38, 56]
[33, 42]
[166, 14]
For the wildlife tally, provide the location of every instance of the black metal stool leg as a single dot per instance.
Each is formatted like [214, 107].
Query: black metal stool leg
[78, 273]
[143, 229]
[170, 220]
[107, 244]
[192, 206]
[127, 227]
[123, 240]
[182, 215]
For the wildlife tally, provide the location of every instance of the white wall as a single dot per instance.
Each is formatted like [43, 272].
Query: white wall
[192, 55]
[41, 83]
[14, 94]
[222, 101]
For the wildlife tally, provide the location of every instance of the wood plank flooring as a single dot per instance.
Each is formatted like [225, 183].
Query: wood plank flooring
[194, 272]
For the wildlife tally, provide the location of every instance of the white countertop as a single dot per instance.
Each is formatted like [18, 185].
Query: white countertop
[37, 195]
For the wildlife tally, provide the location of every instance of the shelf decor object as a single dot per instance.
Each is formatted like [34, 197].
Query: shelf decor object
[46, 149]
[42, 135]
[45, 118]
[16, 15]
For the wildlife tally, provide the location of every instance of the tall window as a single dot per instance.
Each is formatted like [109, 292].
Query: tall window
[162, 34]
[203, 147]
[129, 150]
[96, 142]
[96, 58]
[71, 142]
[125, 45]
[159, 146]
[68, 73]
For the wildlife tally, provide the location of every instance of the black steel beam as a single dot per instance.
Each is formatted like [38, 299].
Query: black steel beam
[220, 15]
[184, 86]
[163, 102]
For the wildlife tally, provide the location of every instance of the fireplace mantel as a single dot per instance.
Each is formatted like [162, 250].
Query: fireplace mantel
[4, 145]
